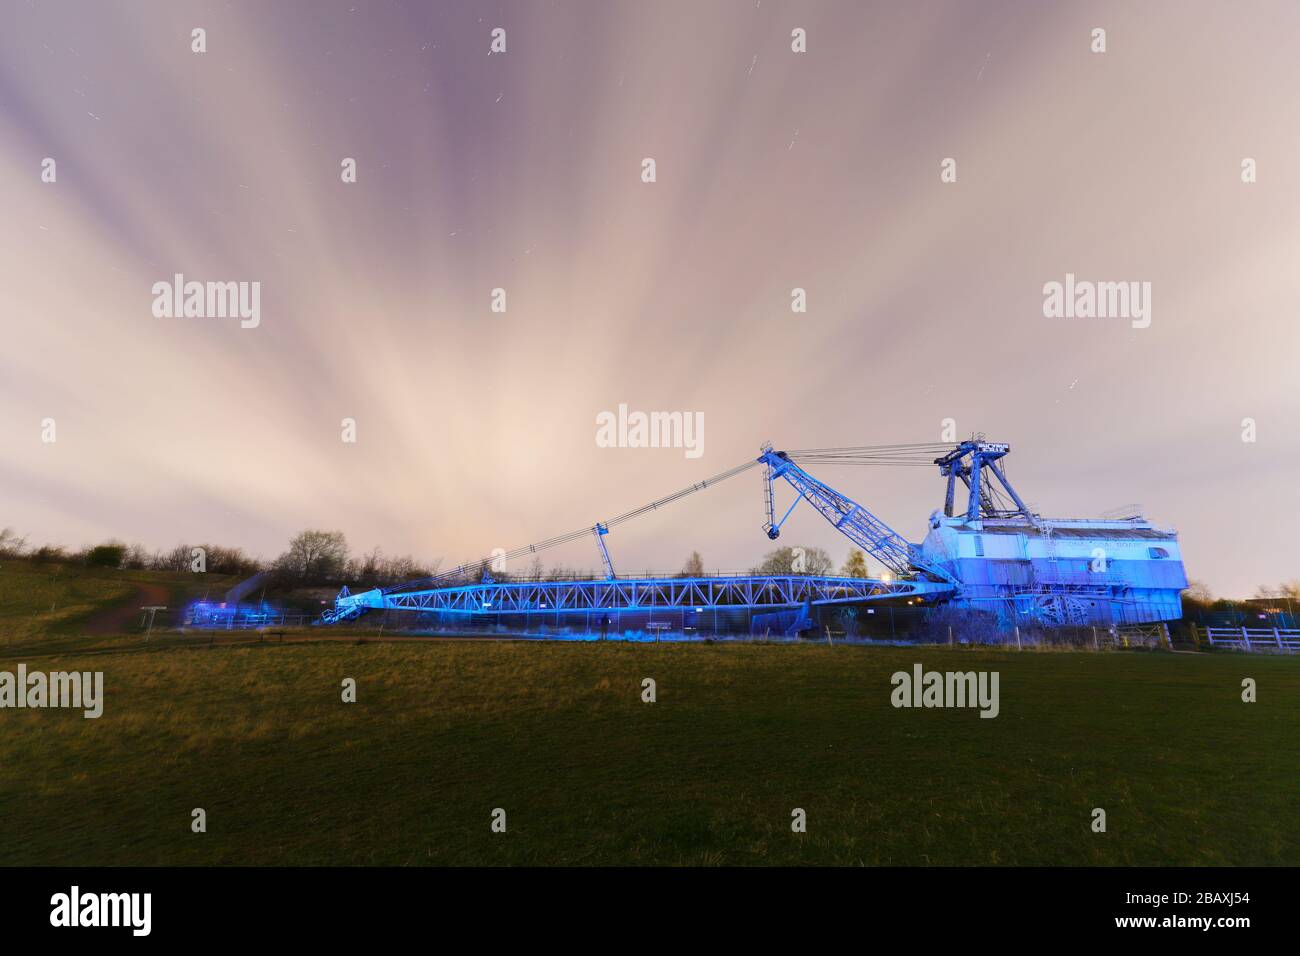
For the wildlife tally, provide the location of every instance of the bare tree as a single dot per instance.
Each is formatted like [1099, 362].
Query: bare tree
[177, 559]
[12, 545]
[795, 560]
[314, 555]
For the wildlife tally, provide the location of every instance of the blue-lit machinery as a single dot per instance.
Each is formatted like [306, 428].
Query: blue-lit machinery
[994, 556]
[998, 556]
[227, 616]
[1056, 571]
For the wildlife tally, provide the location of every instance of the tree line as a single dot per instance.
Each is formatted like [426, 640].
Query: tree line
[321, 557]
[313, 557]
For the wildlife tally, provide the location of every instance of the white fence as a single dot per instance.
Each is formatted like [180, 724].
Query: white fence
[1255, 638]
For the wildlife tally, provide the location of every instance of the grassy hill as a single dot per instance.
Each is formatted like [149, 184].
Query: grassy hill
[556, 734]
[45, 607]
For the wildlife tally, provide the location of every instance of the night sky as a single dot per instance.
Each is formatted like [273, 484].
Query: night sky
[522, 170]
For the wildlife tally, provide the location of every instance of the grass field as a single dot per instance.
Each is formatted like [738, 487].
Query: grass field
[47, 606]
[556, 734]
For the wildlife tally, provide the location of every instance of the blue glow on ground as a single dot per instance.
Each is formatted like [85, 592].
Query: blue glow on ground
[232, 616]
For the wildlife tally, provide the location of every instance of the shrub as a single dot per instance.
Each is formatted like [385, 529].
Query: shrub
[106, 555]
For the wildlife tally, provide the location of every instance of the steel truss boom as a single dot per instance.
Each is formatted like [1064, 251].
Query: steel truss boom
[642, 594]
[858, 524]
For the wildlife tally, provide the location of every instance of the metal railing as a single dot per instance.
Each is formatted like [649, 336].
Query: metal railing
[1255, 638]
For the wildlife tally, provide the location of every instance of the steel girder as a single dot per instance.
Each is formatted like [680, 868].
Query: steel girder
[857, 523]
[634, 594]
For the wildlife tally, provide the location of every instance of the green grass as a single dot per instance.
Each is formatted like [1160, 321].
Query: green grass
[42, 599]
[557, 735]
[46, 607]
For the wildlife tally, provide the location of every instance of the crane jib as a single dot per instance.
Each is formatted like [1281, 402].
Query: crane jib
[847, 516]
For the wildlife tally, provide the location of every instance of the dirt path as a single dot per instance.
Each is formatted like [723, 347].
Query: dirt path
[124, 618]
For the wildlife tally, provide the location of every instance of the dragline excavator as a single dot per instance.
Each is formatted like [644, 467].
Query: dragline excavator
[993, 555]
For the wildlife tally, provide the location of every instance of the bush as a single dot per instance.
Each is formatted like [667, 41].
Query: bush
[973, 627]
[106, 555]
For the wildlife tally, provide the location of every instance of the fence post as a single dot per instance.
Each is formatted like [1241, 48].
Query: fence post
[1245, 638]
[1018, 647]
[1277, 637]
[1164, 629]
